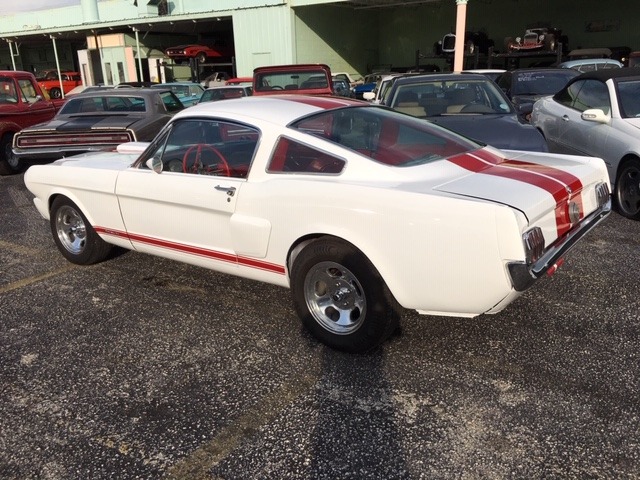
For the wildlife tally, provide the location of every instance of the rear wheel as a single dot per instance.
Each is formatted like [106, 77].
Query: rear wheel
[55, 93]
[74, 236]
[627, 189]
[341, 298]
[9, 163]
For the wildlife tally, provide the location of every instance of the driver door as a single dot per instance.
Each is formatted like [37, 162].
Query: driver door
[184, 211]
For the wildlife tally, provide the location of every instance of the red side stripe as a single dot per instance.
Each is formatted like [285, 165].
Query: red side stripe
[197, 251]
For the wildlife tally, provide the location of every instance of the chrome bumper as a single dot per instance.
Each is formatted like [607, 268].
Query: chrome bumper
[523, 275]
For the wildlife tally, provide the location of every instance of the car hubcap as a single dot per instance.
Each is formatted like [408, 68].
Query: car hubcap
[335, 298]
[71, 230]
[629, 196]
[12, 160]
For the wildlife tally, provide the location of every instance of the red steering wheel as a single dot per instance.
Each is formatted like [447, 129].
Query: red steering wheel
[220, 168]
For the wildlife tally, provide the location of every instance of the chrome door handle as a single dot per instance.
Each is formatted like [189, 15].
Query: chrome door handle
[229, 190]
[565, 118]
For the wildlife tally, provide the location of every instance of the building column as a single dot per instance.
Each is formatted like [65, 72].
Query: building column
[461, 20]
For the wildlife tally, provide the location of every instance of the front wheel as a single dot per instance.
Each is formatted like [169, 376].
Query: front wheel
[341, 298]
[74, 236]
[627, 189]
[9, 163]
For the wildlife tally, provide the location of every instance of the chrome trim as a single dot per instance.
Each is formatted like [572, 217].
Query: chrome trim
[523, 275]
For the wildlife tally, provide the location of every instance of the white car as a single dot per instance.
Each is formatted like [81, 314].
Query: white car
[598, 113]
[358, 209]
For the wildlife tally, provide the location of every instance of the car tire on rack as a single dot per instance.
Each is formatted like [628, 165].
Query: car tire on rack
[340, 296]
[627, 189]
[73, 234]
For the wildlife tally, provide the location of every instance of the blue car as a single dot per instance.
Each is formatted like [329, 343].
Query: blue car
[469, 104]
[189, 93]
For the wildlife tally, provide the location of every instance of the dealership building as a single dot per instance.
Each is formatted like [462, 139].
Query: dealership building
[113, 41]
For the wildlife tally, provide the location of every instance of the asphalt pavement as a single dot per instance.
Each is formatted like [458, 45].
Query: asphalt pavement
[144, 368]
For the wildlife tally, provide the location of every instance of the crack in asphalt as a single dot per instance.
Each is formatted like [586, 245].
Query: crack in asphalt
[198, 464]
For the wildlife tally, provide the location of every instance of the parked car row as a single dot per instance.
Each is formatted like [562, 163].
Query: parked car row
[406, 214]
[439, 146]
[495, 113]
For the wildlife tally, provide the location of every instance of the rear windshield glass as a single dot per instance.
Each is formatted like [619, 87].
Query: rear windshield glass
[386, 136]
[101, 104]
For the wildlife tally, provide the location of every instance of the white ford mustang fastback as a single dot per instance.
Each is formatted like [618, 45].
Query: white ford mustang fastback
[358, 209]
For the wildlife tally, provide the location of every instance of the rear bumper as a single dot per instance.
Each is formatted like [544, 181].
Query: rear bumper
[523, 275]
[57, 152]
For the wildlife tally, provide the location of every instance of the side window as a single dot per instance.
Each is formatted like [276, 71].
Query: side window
[567, 96]
[29, 93]
[7, 91]
[208, 147]
[290, 156]
[593, 94]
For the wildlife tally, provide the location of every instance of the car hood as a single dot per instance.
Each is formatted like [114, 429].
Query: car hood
[634, 122]
[501, 131]
[528, 98]
[113, 161]
[537, 184]
[85, 122]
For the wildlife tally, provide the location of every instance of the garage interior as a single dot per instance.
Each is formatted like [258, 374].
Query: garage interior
[358, 36]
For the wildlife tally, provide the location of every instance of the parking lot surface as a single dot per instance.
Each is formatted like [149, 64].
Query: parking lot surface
[139, 367]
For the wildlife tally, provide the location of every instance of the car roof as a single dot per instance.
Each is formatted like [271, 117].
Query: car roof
[169, 84]
[606, 74]
[540, 70]
[589, 61]
[118, 92]
[281, 109]
[430, 77]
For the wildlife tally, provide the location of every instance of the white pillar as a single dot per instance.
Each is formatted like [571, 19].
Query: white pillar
[55, 53]
[461, 20]
[139, 54]
[13, 59]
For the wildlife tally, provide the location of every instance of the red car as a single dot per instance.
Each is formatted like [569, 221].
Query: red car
[537, 39]
[202, 53]
[50, 82]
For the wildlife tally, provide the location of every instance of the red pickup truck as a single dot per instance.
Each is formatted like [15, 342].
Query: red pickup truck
[303, 78]
[22, 104]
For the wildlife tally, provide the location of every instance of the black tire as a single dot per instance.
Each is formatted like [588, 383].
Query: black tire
[341, 298]
[626, 192]
[55, 93]
[470, 48]
[202, 57]
[9, 163]
[550, 44]
[74, 236]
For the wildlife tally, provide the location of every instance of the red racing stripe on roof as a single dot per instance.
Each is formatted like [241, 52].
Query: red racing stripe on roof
[325, 103]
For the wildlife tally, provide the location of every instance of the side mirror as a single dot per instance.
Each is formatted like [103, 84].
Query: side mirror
[524, 109]
[369, 96]
[155, 164]
[595, 115]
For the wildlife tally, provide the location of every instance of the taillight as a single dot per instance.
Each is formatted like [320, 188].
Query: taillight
[533, 244]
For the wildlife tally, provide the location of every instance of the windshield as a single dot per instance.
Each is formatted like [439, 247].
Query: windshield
[450, 97]
[541, 83]
[386, 136]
